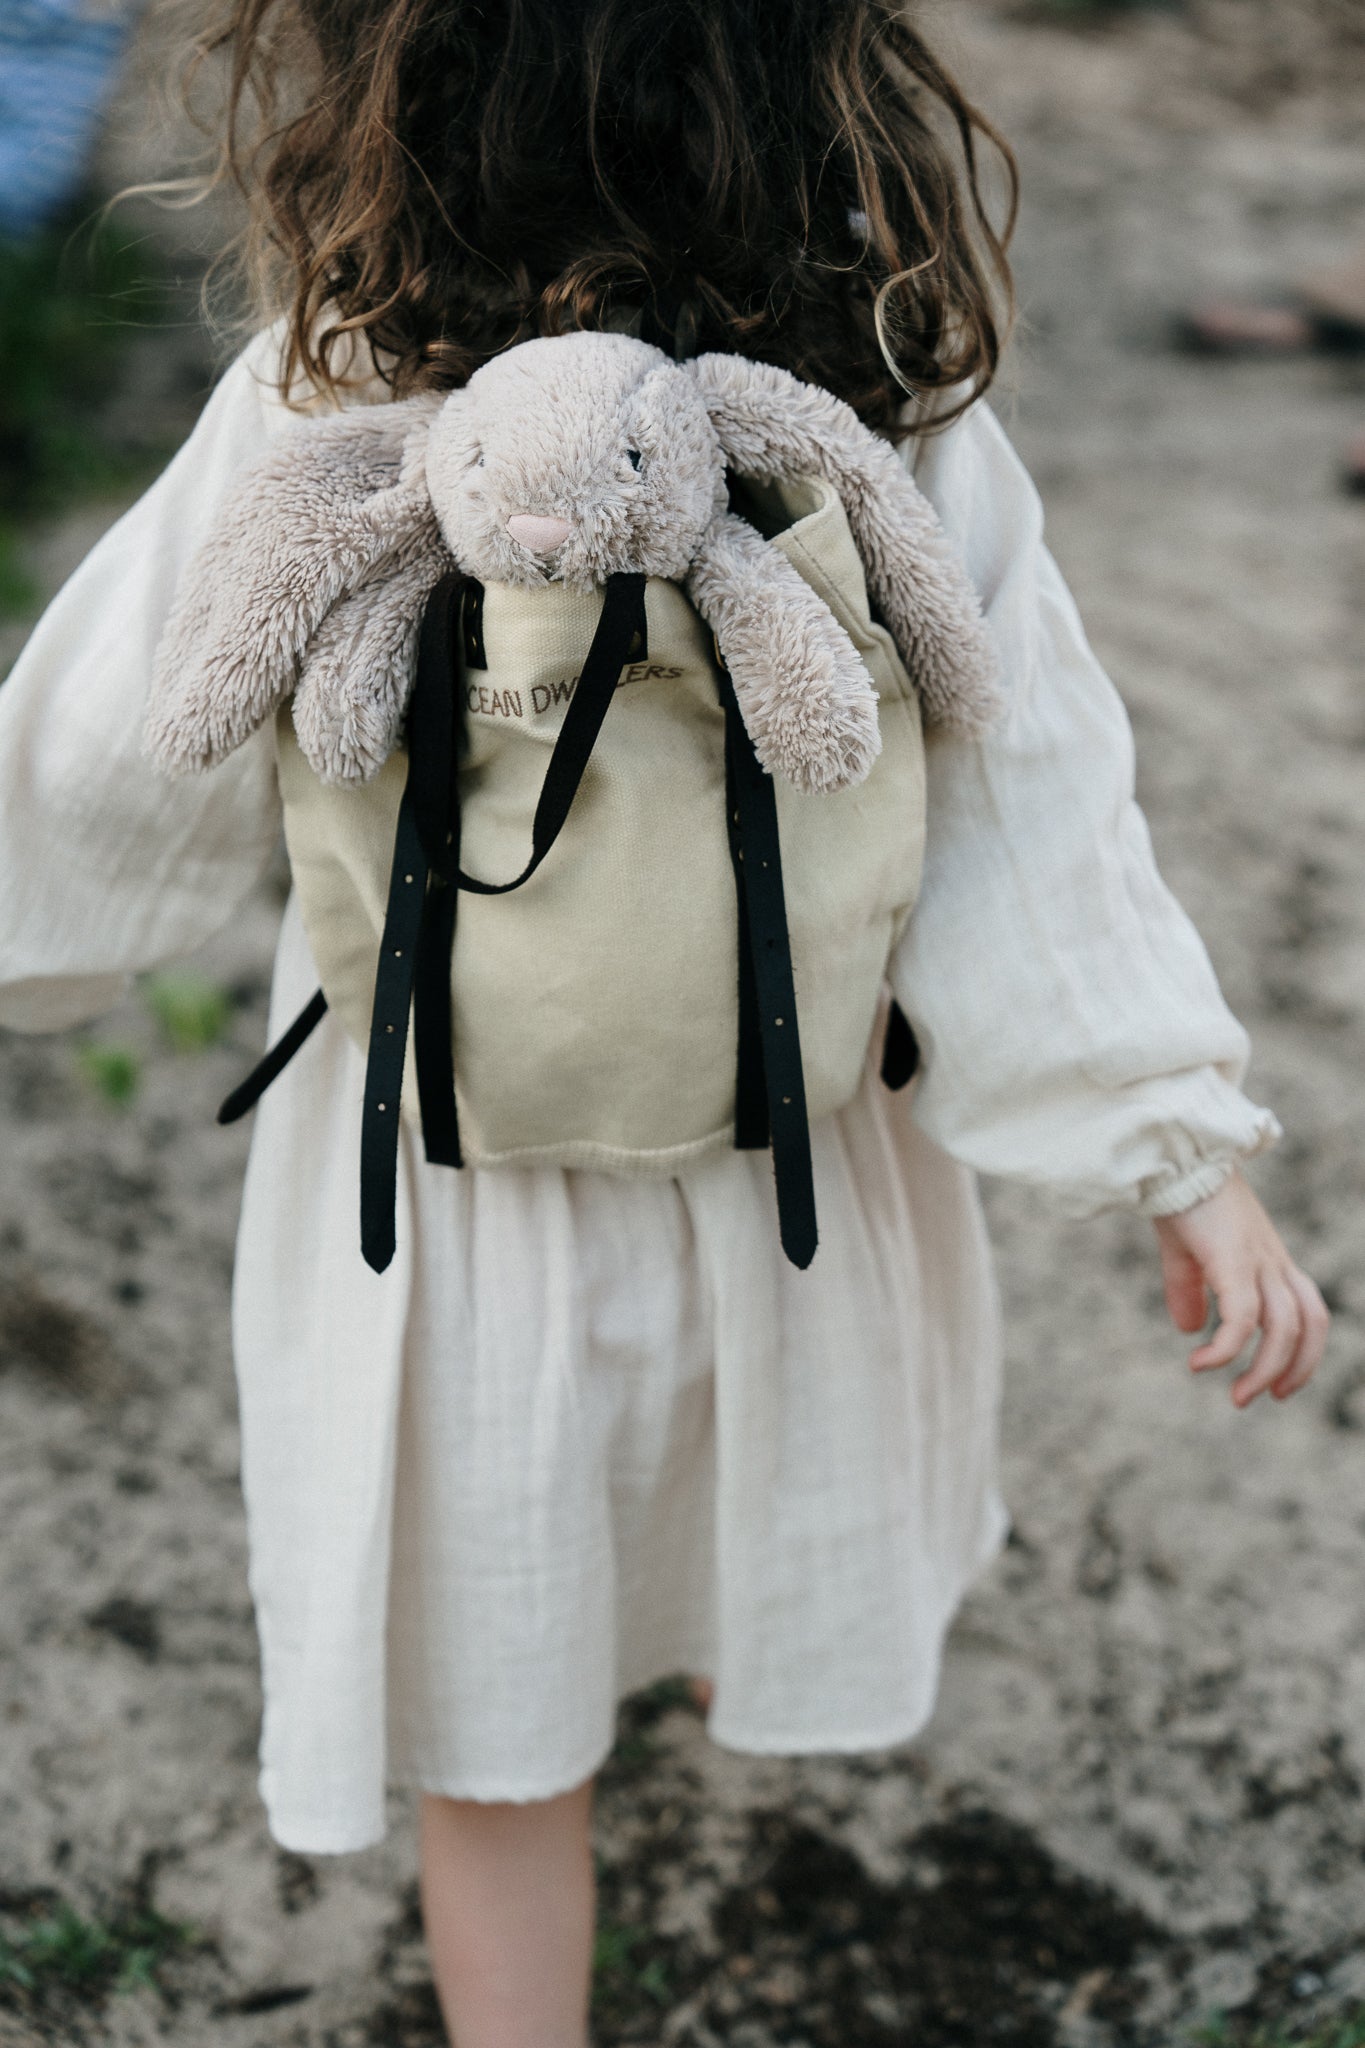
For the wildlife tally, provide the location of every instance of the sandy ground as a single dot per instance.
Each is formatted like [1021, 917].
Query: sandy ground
[1140, 1800]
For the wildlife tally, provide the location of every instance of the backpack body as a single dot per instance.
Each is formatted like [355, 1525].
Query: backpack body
[596, 1008]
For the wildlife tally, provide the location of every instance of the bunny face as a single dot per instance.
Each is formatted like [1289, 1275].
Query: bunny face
[570, 458]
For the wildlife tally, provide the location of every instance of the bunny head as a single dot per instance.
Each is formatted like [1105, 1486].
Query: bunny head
[567, 459]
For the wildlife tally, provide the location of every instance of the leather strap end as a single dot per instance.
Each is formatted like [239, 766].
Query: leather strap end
[900, 1050]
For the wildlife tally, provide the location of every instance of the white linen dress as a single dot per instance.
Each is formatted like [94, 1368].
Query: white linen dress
[585, 1432]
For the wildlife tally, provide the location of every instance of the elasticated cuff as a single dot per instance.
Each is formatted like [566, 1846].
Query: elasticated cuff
[1178, 1195]
[1169, 1195]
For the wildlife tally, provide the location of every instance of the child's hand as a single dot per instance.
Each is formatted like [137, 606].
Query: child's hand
[1229, 1245]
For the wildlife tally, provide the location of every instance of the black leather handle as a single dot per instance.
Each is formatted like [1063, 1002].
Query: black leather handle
[248, 1093]
[622, 621]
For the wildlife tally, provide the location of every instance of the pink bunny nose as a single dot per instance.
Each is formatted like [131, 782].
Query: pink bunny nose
[538, 531]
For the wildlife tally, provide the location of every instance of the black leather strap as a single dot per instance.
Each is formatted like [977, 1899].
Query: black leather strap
[752, 1132]
[433, 1021]
[900, 1049]
[433, 776]
[768, 1027]
[379, 1118]
[669, 322]
[471, 616]
[433, 729]
[413, 976]
[248, 1093]
[419, 925]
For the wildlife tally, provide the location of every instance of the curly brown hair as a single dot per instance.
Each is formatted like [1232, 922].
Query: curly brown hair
[797, 180]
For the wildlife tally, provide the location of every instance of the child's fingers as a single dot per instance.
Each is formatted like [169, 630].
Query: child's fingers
[1239, 1312]
[1317, 1321]
[1183, 1279]
[1282, 1323]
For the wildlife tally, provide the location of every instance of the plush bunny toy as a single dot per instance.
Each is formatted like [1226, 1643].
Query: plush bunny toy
[564, 459]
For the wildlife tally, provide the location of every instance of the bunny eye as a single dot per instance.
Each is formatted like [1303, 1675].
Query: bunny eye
[481, 462]
[634, 457]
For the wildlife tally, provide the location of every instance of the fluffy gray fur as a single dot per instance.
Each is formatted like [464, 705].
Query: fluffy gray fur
[771, 425]
[314, 578]
[771, 626]
[348, 708]
[337, 509]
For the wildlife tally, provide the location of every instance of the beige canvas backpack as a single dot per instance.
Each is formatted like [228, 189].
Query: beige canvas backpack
[567, 878]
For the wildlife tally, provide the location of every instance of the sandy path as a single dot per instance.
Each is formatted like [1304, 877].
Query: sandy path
[1141, 1797]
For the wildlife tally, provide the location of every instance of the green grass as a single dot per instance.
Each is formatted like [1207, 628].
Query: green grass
[60, 1951]
[193, 1013]
[614, 1970]
[113, 1071]
[1345, 2031]
[69, 302]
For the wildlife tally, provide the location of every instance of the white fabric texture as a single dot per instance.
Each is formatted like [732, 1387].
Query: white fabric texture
[584, 1432]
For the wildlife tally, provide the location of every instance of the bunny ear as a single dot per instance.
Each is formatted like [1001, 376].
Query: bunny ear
[357, 673]
[771, 424]
[333, 506]
[805, 697]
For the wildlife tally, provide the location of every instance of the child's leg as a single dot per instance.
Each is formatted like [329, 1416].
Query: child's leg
[509, 1903]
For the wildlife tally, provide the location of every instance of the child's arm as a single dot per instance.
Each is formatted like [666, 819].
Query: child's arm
[106, 867]
[1073, 1032]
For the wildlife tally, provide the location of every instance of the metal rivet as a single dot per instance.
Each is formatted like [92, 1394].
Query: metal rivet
[786, 1098]
[777, 1020]
[407, 878]
[398, 952]
[381, 1106]
[388, 1028]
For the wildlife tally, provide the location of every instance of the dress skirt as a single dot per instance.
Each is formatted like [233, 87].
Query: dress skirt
[587, 1432]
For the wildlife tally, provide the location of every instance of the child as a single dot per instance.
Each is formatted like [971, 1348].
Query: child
[584, 1432]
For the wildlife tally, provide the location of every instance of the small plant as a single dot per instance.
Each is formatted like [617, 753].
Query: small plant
[611, 1963]
[1343, 2031]
[1350, 2034]
[193, 1013]
[60, 1951]
[1339, 2033]
[113, 1071]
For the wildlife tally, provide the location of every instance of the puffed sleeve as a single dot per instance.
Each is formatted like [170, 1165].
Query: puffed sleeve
[107, 867]
[1073, 1033]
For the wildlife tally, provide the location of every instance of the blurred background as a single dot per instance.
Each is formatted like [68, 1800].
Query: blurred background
[1136, 1820]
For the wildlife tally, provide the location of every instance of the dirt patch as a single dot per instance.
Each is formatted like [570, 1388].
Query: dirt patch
[55, 1344]
[988, 1942]
[134, 1623]
[1136, 1820]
